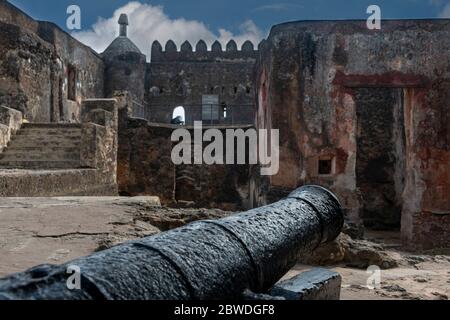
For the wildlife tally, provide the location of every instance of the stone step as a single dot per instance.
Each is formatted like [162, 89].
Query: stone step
[50, 125]
[33, 148]
[43, 165]
[43, 146]
[50, 132]
[45, 139]
[38, 156]
[40, 145]
[54, 182]
[41, 150]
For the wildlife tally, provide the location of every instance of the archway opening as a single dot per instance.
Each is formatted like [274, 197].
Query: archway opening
[179, 116]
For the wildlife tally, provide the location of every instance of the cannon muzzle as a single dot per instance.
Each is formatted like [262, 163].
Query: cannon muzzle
[204, 260]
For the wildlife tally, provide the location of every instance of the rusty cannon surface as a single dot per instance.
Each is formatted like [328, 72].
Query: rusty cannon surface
[204, 260]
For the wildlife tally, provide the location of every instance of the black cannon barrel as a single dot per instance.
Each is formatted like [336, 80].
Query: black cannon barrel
[202, 261]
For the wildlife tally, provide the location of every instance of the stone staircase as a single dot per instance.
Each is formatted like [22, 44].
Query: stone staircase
[60, 159]
[43, 146]
[43, 160]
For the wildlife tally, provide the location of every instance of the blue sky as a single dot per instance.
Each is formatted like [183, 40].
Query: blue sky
[224, 19]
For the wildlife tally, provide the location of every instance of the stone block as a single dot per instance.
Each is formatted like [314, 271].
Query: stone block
[91, 135]
[316, 284]
[11, 118]
[124, 101]
[4, 136]
[93, 104]
[99, 136]
[101, 117]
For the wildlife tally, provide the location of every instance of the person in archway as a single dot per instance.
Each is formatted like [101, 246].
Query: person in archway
[178, 116]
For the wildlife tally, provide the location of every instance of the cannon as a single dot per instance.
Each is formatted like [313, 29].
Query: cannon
[205, 260]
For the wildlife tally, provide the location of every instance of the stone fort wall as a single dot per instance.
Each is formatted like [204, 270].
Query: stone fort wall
[181, 78]
[35, 61]
[366, 114]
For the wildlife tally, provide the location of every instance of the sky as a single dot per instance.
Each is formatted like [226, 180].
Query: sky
[211, 20]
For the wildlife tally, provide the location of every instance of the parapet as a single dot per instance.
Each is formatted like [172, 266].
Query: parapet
[201, 53]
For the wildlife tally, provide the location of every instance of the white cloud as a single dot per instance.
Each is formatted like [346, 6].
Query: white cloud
[149, 23]
[445, 13]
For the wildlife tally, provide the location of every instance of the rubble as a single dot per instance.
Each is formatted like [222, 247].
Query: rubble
[354, 253]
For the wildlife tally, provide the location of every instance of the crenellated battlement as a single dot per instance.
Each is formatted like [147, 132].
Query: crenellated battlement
[201, 53]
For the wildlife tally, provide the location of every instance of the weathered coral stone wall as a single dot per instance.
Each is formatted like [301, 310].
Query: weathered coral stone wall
[25, 70]
[144, 160]
[126, 72]
[145, 167]
[307, 83]
[89, 70]
[34, 61]
[181, 78]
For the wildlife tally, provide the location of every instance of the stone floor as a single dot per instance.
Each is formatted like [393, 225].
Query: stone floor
[55, 230]
[35, 231]
[427, 280]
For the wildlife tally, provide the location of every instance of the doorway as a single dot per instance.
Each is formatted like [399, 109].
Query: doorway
[380, 163]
